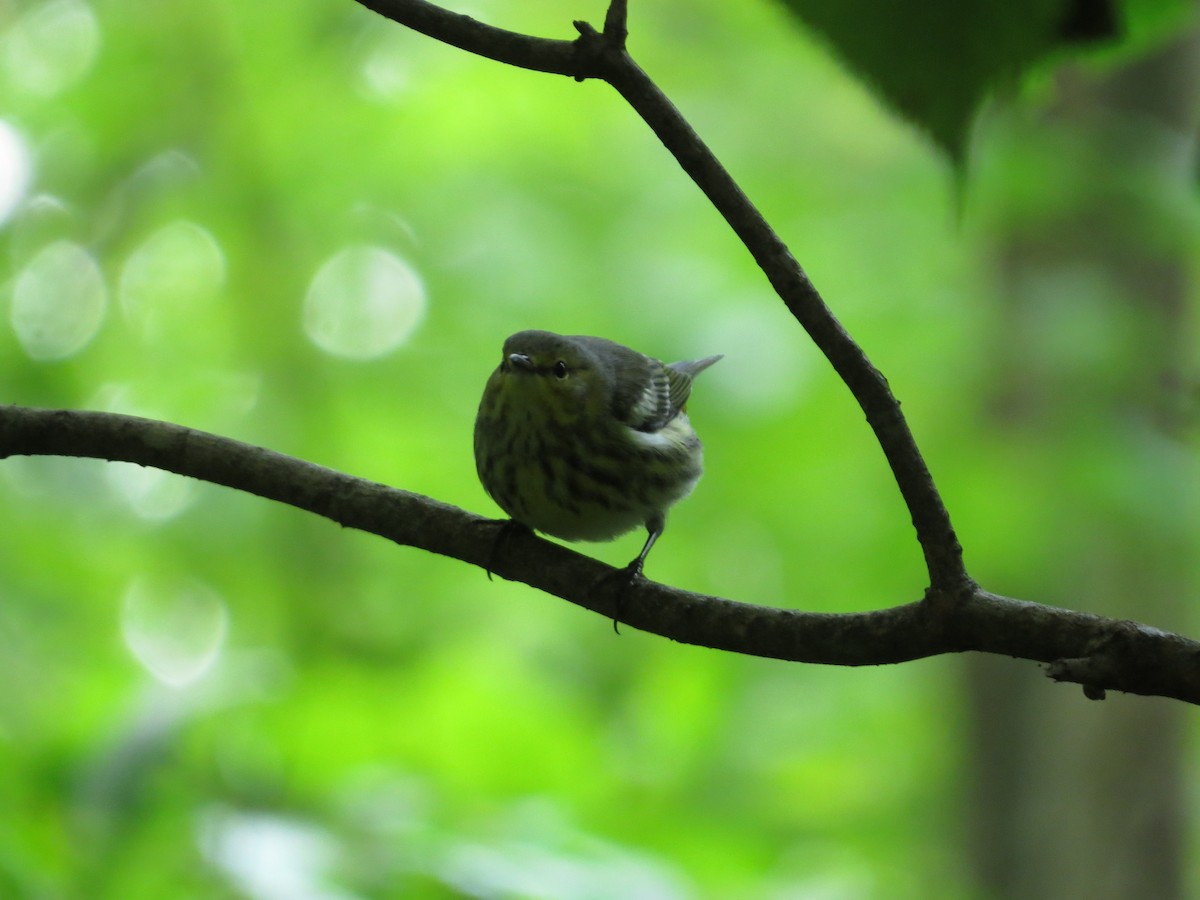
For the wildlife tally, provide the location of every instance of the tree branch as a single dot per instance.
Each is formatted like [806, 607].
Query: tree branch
[1102, 654]
[955, 615]
[602, 55]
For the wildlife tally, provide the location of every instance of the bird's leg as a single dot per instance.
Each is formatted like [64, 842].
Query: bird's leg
[654, 527]
[635, 567]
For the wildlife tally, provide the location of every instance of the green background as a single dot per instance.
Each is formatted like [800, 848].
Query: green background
[305, 227]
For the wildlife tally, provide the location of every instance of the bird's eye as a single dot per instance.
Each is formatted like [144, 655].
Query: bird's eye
[560, 370]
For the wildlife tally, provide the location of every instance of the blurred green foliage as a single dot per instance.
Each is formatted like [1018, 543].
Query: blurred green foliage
[311, 229]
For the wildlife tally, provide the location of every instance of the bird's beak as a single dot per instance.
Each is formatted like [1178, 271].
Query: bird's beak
[521, 361]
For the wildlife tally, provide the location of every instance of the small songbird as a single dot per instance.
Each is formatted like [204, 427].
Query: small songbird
[584, 439]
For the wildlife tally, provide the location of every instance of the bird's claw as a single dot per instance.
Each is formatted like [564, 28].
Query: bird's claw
[508, 527]
[626, 575]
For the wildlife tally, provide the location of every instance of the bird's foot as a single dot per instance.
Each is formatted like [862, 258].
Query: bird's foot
[625, 577]
[505, 530]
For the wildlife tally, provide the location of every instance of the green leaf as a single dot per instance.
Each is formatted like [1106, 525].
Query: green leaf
[934, 61]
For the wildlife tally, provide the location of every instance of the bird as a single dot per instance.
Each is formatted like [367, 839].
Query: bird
[584, 439]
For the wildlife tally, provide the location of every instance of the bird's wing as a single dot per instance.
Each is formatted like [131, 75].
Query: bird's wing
[642, 395]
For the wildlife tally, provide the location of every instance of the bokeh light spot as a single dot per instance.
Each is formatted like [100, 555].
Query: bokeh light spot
[174, 627]
[152, 494]
[270, 856]
[16, 169]
[387, 66]
[58, 302]
[363, 302]
[175, 270]
[51, 47]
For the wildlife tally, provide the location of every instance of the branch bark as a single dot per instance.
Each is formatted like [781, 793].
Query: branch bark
[1102, 654]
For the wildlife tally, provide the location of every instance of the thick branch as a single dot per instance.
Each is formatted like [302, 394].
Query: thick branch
[603, 56]
[1103, 654]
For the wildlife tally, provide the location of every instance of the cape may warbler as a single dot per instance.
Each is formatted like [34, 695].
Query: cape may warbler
[584, 439]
